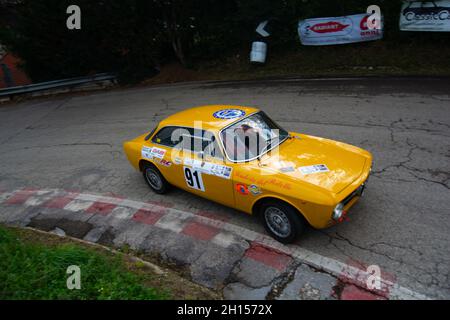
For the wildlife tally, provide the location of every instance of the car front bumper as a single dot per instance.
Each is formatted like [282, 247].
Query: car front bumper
[349, 201]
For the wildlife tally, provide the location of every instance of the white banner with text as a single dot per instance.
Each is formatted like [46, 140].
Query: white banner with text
[339, 30]
[425, 16]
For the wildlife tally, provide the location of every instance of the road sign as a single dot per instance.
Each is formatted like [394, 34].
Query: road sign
[260, 29]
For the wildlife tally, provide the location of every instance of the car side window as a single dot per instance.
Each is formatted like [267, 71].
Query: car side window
[167, 137]
[206, 142]
[189, 139]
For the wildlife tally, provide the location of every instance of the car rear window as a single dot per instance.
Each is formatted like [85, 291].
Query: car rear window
[165, 137]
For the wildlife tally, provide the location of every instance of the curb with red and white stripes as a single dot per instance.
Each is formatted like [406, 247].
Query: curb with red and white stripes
[202, 226]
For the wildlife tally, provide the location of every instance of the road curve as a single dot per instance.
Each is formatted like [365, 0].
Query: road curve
[75, 143]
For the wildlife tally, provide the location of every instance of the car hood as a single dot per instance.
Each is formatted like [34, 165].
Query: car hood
[345, 163]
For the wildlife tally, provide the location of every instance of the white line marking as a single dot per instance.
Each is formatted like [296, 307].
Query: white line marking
[132, 204]
[225, 239]
[78, 205]
[87, 197]
[5, 196]
[170, 222]
[122, 213]
[40, 197]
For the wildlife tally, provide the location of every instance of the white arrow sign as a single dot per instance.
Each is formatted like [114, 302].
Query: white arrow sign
[261, 30]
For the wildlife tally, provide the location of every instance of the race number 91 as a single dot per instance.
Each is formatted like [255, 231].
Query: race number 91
[193, 178]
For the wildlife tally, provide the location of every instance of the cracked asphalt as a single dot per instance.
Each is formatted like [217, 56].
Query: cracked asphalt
[74, 142]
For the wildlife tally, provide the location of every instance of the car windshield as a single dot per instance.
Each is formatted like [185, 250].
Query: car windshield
[252, 137]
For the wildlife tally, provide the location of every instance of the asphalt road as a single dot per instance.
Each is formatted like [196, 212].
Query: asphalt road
[402, 224]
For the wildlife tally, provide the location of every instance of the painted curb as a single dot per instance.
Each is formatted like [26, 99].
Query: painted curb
[200, 226]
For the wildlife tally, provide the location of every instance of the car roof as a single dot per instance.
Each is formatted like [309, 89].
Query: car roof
[205, 114]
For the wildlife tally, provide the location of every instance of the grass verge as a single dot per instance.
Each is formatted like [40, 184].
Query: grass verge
[33, 265]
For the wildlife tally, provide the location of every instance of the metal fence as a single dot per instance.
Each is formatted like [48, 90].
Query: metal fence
[70, 84]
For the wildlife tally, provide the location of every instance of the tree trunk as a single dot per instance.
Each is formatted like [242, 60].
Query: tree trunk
[178, 48]
[174, 34]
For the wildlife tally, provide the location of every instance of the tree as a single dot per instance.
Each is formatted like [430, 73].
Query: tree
[116, 36]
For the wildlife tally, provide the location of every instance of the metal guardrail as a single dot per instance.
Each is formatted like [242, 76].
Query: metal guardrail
[56, 84]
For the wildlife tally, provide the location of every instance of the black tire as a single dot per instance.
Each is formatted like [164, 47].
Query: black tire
[155, 179]
[287, 214]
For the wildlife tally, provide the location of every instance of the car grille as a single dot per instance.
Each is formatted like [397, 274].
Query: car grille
[357, 193]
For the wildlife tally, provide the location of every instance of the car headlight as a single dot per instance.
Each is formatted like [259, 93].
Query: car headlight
[338, 212]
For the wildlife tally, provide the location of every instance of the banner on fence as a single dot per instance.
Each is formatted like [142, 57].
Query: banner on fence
[425, 16]
[338, 30]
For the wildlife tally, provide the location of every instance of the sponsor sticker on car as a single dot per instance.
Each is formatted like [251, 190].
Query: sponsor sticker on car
[287, 169]
[254, 189]
[165, 163]
[193, 178]
[242, 189]
[147, 152]
[152, 152]
[209, 168]
[317, 168]
[158, 153]
[229, 114]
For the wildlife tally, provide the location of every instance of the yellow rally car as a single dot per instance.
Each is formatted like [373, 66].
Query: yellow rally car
[239, 157]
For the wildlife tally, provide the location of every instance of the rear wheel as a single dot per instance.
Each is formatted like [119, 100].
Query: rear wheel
[155, 179]
[282, 221]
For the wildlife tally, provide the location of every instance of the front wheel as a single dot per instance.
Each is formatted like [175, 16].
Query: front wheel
[281, 221]
[155, 179]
